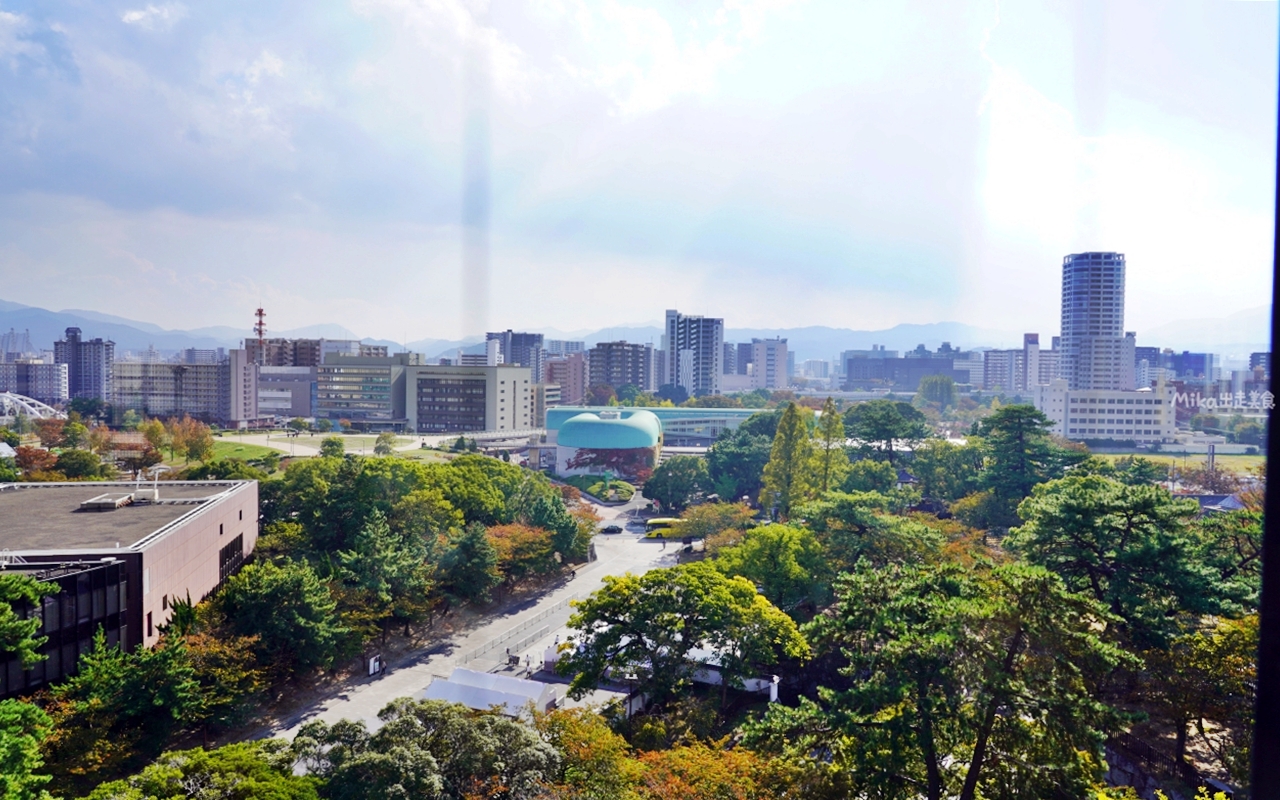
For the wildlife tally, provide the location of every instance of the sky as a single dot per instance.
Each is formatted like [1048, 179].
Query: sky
[778, 163]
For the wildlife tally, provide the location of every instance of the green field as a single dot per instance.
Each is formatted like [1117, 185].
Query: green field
[1233, 463]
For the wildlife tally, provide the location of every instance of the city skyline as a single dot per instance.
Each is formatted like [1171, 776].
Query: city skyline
[758, 162]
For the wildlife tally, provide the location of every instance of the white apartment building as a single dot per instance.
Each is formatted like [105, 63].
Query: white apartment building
[1096, 351]
[1145, 416]
[769, 364]
[695, 352]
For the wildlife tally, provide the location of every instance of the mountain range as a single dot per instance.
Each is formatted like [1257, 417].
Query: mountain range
[1236, 334]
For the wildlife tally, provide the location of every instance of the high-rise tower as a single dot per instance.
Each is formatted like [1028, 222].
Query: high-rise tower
[1093, 337]
[695, 352]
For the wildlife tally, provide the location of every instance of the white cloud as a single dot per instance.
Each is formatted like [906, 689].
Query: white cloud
[153, 17]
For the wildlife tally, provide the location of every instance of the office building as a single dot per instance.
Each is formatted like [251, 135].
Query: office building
[367, 392]
[770, 364]
[694, 347]
[523, 349]
[461, 399]
[89, 365]
[729, 361]
[225, 393]
[1096, 353]
[1145, 416]
[286, 392]
[1199, 367]
[621, 363]
[899, 373]
[47, 383]
[120, 556]
[570, 373]
[194, 355]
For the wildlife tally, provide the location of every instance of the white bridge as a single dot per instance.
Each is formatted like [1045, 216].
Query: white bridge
[11, 405]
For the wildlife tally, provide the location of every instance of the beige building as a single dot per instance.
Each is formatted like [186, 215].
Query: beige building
[462, 399]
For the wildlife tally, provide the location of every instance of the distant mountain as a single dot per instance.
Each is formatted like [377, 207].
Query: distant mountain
[1243, 332]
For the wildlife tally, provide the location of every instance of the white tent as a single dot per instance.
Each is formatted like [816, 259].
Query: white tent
[481, 690]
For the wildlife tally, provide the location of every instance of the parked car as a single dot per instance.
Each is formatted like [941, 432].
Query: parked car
[611, 529]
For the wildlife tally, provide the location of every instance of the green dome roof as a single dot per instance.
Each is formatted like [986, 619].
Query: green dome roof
[630, 429]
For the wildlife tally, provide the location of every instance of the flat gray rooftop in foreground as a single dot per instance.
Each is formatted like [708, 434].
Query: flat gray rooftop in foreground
[45, 516]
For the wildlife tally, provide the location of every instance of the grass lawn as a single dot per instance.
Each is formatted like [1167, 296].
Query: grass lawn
[1234, 463]
[426, 456]
[230, 448]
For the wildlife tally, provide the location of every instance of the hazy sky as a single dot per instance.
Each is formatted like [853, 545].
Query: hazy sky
[775, 162]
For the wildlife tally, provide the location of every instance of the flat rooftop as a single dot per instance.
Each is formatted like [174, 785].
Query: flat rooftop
[47, 516]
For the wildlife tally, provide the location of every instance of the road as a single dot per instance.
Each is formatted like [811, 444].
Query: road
[532, 627]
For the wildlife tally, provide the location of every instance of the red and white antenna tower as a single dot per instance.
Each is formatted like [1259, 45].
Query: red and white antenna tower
[260, 328]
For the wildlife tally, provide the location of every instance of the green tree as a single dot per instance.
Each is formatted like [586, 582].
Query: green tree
[290, 610]
[10, 437]
[119, 709]
[74, 434]
[332, 447]
[788, 477]
[22, 728]
[938, 389]
[832, 463]
[882, 425]
[385, 444]
[649, 624]
[131, 420]
[869, 475]
[678, 481]
[1020, 455]
[389, 572]
[962, 683]
[948, 471]
[1129, 547]
[861, 525]
[786, 564]
[226, 469]
[735, 461]
[428, 749]
[243, 771]
[469, 568]
[88, 407]
[717, 524]
[18, 631]
[78, 464]
[595, 762]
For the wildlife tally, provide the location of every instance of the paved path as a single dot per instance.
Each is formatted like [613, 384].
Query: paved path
[527, 630]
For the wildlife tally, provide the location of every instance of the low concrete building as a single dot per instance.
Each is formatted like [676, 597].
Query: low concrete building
[484, 690]
[121, 554]
[1145, 416]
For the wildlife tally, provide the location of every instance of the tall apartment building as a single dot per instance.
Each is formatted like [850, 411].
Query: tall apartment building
[460, 399]
[35, 379]
[545, 395]
[770, 367]
[570, 373]
[524, 349]
[89, 365]
[621, 363]
[14, 346]
[225, 393]
[1096, 352]
[1019, 370]
[1260, 360]
[560, 347]
[694, 347]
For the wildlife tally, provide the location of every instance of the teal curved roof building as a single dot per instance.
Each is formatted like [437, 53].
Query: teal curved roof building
[611, 430]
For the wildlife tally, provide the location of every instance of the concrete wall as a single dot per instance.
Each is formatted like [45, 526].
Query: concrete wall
[184, 560]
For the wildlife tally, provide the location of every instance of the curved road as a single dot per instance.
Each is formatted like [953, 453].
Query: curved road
[535, 624]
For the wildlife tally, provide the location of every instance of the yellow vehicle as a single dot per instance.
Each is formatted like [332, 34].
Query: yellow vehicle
[656, 528]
